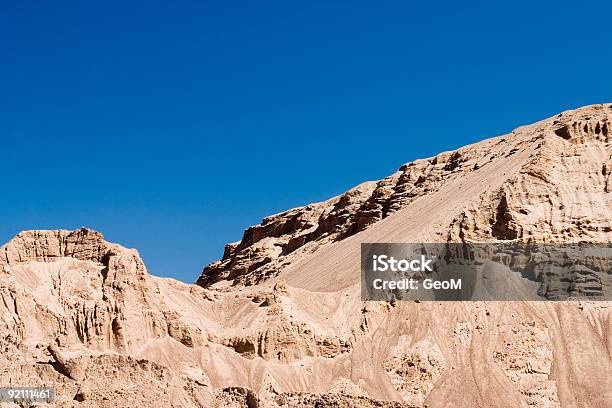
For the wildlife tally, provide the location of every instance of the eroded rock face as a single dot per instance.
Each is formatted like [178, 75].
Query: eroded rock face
[101, 284]
[526, 356]
[415, 368]
[559, 193]
[279, 322]
[44, 246]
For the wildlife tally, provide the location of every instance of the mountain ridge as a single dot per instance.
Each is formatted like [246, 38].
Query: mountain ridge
[85, 316]
[266, 248]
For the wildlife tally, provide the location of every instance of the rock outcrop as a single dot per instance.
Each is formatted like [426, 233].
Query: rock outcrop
[556, 189]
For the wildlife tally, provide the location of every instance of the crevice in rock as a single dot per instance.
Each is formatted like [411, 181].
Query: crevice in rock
[503, 228]
[563, 132]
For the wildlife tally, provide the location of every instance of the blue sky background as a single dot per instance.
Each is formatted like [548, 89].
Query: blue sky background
[172, 126]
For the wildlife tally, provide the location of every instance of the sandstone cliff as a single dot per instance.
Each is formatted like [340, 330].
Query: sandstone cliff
[549, 182]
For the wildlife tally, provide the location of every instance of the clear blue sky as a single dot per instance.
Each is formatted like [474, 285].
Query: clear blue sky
[172, 126]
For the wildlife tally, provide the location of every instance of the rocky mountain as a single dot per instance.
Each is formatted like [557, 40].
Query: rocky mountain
[549, 182]
[279, 321]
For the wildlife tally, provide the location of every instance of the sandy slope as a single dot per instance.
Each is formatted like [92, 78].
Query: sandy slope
[426, 219]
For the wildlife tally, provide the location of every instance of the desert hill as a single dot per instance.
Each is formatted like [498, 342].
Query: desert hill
[279, 321]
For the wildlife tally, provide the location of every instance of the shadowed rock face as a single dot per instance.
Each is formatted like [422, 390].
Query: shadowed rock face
[278, 322]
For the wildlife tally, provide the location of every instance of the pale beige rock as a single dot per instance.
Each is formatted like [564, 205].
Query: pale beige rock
[279, 320]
